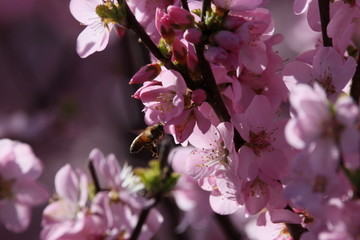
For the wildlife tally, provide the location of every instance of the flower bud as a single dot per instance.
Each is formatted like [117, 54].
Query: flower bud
[180, 16]
[198, 96]
[146, 73]
[192, 35]
[179, 52]
[164, 26]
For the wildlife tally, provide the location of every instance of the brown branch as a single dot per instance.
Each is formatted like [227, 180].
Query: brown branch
[324, 8]
[210, 86]
[205, 7]
[355, 85]
[94, 176]
[142, 219]
[185, 5]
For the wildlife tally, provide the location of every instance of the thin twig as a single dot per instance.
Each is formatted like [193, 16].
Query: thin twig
[185, 5]
[94, 176]
[142, 219]
[324, 8]
[355, 85]
[205, 7]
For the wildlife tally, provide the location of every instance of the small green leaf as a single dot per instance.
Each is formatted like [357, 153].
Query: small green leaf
[153, 178]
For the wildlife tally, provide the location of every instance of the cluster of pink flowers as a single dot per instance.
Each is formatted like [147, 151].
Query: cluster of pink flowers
[19, 189]
[277, 141]
[298, 165]
[111, 213]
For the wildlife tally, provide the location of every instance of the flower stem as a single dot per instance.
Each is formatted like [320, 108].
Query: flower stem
[355, 85]
[185, 5]
[94, 176]
[205, 7]
[142, 219]
[324, 8]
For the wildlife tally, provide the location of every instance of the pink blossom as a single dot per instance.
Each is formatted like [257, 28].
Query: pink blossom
[252, 35]
[95, 37]
[164, 100]
[120, 206]
[267, 83]
[260, 193]
[315, 120]
[315, 179]
[119, 179]
[69, 217]
[183, 126]
[214, 151]
[265, 141]
[19, 170]
[189, 197]
[268, 230]
[342, 24]
[329, 69]
[120, 218]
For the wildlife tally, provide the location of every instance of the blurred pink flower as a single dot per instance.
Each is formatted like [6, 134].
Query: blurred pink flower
[69, 217]
[329, 69]
[120, 206]
[19, 191]
[95, 37]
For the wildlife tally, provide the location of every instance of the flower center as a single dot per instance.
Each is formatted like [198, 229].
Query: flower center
[258, 188]
[165, 101]
[326, 82]
[214, 156]
[260, 141]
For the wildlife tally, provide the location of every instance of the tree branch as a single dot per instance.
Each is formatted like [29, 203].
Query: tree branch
[205, 7]
[142, 219]
[355, 85]
[185, 5]
[94, 176]
[324, 8]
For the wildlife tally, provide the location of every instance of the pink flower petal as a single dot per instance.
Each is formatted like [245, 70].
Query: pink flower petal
[15, 217]
[222, 205]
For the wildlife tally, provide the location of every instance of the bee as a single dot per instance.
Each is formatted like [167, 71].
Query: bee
[148, 139]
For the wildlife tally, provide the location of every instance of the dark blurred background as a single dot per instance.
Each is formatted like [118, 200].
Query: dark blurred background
[64, 106]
